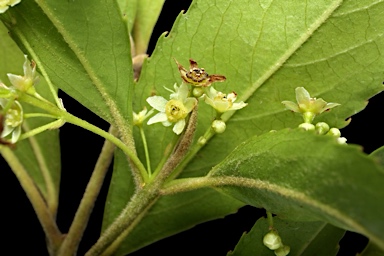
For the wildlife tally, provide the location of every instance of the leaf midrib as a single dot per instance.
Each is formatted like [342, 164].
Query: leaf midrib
[294, 195]
[119, 121]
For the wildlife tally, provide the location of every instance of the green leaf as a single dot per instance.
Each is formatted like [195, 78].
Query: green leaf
[169, 215]
[304, 238]
[147, 14]
[86, 52]
[40, 155]
[128, 9]
[372, 250]
[266, 49]
[301, 176]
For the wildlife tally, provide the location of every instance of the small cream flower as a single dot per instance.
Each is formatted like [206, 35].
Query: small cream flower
[5, 4]
[173, 111]
[139, 118]
[11, 122]
[222, 102]
[309, 107]
[25, 83]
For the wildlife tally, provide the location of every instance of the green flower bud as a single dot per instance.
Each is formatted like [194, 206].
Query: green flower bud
[307, 127]
[272, 240]
[202, 140]
[334, 132]
[342, 140]
[283, 251]
[322, 128]
[197, 92]
[218, 126]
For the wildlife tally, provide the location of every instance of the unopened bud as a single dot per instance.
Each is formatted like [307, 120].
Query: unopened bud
[283, 251]
[334, 132]
[218, 126]
[272, 240]
[307, 127]
[342, 140]
[322, 128]
[202, 140]
[197, 92]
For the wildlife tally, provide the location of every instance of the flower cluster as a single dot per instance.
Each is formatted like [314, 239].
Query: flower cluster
[11, 116]
[11, 120]
[181, 101]
[310, 108]
[26, 82]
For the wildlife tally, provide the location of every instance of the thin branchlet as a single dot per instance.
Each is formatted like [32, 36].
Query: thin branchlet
[182, 147]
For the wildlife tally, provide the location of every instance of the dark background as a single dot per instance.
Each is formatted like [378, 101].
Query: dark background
[22, 234]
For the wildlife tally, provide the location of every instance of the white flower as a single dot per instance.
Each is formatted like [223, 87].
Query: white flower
[12, 120]
[173, 111]
[222, 102]
[139, 118]
[4, 4]
[309, 107]
[25, 83]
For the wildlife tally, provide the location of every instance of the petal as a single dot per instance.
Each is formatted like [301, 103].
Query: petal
[157, 102]
[179, 126]
[3, 8]
[27, 68]
[291, 106]
[6, 131]
[16, 81]
[166, 123]
[14, 2]
[212, 93]
[222, 105]
[302, 95]
[189, 104]
[209, 100]
[239, 105]
[16, 134]
[317, 106]
[183, 92]
[159, 117]
[3, 102]
[329, 106]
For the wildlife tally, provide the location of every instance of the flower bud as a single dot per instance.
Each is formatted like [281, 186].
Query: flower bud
[307, 127]
[342, 140]
[322, 128]
[272, 240]
[197, 92]
[202, 140]
[334, 132]
[218, 126]
[283, 251]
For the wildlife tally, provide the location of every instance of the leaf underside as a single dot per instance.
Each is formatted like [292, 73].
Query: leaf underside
[302, 176]
[303, 238]
[265, 49]
[45, 144]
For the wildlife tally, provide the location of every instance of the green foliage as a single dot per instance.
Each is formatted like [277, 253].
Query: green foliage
[42, 151]
[304, 238]
[170, 215]
[266, 49]
[302, 176]
[87, 49]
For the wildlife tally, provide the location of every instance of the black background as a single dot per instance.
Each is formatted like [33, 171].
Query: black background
[22, 234]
